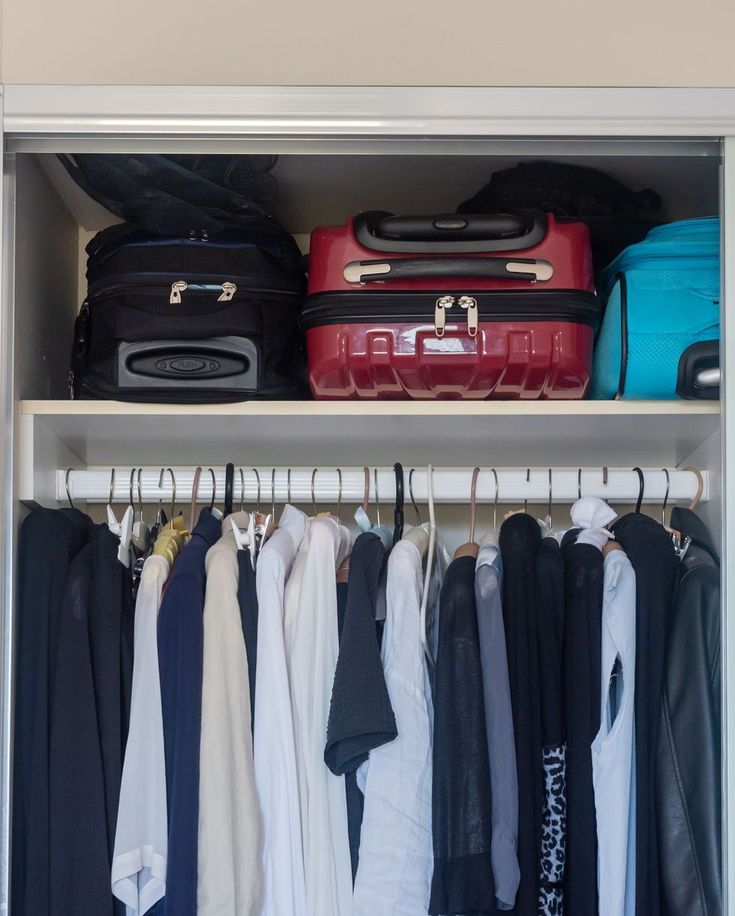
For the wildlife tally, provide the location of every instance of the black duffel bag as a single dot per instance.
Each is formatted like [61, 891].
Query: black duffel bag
[190, 319]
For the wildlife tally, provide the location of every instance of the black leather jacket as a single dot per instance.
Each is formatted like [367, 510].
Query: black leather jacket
[688, 785]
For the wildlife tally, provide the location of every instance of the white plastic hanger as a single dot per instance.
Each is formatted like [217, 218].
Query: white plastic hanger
[123, 529]
[429, 560]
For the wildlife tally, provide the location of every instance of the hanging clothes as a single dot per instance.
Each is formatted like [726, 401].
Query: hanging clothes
[395, 870]
[89, 723]
[549, 569]
[49, 540]
[247, 598]
[180, 659]
[613, 750]
[583, 580]
[360, 713]
[498, 724]
[141, 837]
[689, 755]
[651, 552]
[311, 632]
[462, 879]
[275, 754]
[519, 539]
[229, 841]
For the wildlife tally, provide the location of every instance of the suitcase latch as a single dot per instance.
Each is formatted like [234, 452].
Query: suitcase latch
[470, 303]
[440, 313]
[177, 288]
[228, 291]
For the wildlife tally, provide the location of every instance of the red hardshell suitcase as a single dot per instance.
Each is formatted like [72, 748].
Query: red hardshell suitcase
[459, 306]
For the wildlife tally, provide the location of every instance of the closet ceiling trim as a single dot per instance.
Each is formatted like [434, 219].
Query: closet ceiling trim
[318, 111]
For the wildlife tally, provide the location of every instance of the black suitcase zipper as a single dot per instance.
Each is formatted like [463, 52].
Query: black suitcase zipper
[196, 283]
[397, 307]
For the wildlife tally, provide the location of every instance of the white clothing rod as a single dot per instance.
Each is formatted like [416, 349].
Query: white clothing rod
[451, 485]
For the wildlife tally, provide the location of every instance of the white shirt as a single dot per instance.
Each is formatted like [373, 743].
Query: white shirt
[396, 856]
[311, 633]
[613, 750]
[229, 870]
[275, 754]
[141, 835]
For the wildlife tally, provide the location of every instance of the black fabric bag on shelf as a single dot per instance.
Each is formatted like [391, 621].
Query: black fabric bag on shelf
[172, 195]
[190, 319]
[616, 216]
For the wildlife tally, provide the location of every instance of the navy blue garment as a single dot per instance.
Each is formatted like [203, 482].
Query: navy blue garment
[49, 540]
[180, 651]
[89, 717]
[247, 598]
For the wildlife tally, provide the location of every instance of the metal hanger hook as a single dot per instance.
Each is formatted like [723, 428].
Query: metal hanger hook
[273, 492]
[257, 497]
[288, 486]
[528, 480]
[497, 497]
[67, 484]
[242, 489]
[139, 485]
[377, 496]
[366, 490]
[214, 488]
[551, 501]
[173, 493]
[410, 493]
[130, 482]
[112, 484]
[666, 496]
[473, 503]
[313, 497]
[339, 492]
[579, 483]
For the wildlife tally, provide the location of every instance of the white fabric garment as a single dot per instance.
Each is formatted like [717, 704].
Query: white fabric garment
[311, 631]
[396, 856]
[592, 515]
[613, 750]
[275, 755]
[229, 868]
[141, 835]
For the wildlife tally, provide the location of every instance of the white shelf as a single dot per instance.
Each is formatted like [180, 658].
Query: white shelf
[501, 433]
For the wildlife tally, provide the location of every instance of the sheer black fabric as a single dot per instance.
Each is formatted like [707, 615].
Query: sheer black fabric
[461, 814]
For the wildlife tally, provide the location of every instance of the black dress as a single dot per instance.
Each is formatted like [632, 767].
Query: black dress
[583, 576]
[461, 814]
[652, 555]
[520, 538]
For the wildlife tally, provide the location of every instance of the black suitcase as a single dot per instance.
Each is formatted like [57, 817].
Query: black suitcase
[193, 319]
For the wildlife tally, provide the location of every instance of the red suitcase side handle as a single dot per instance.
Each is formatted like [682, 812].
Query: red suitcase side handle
[377, 230]
[444, 268]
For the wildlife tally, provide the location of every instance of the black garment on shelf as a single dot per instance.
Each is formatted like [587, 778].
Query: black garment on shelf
[247, 598]
[180, 632]
[49, 540]
[89, 718]
[360, 714]
[550, 613]
[520, 537]
[689, 756]
[583, 582]
[461, 805]
[355, 798]
[652, 555]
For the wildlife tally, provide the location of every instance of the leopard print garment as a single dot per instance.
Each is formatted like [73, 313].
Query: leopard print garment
[553, 840]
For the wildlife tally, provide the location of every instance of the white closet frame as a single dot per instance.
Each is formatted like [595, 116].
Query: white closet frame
[343, 119]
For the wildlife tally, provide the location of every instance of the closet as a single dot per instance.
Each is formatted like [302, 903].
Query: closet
[340, 152]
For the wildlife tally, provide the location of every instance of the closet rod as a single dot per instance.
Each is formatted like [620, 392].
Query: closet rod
[451, 485]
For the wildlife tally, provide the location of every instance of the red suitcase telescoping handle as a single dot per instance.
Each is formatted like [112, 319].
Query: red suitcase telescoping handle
[445, 268]
[377, 230]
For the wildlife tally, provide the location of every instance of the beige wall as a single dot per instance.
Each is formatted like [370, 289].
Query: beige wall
[332, 42]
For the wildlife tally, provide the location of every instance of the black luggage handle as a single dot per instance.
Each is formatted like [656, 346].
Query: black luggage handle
[457, 232]
[444, 268]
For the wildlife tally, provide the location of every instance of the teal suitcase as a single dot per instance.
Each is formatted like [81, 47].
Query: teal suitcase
[662, 314]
